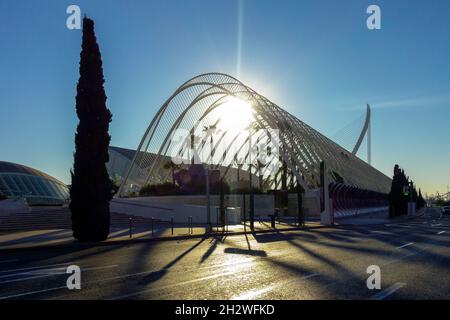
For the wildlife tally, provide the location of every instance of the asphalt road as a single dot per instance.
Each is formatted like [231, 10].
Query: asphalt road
[328, 263]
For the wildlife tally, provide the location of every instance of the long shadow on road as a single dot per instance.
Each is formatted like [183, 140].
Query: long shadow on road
[154, 276]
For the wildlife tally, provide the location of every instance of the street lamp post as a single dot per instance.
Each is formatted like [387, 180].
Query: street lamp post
[252, 204]
[208, 202]
[208, 187]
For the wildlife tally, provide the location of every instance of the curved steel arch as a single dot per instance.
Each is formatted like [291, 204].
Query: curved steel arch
[198, 102]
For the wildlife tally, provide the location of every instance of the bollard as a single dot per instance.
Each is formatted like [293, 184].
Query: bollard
[226, 220]
[192, 228]
[130, 220]
[272, 221]
[217, 219]
[152, 227]
[189, 225]
[171, 222]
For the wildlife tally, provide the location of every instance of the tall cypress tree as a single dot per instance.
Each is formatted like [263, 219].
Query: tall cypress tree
[396, 194]
[420, 200]
[91, 188]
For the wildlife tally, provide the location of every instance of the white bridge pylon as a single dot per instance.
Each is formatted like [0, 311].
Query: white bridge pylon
[365, 131]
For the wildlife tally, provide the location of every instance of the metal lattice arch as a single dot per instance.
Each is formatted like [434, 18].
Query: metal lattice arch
[199, 103]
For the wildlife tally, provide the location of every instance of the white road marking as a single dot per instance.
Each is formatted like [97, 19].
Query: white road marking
[253, 294]
[172, 285]
[40, 267]
[50, 273]
[382, 232]
[6, 261]
[402, 258]
[34, 272]
[228, 264]
[436, 225]
[118, 278]
[387, 292]
[405, 245]
[441, 232]
[31, 292]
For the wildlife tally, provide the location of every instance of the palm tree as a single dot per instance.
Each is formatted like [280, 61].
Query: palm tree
[209, 130]
[239, 166]
[259, 167]
[172, 166]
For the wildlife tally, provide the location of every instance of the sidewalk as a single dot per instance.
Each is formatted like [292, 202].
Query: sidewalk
[140, 233]
[374, 218]
[163, 231]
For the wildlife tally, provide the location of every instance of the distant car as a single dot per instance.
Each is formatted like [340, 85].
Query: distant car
[446, 210]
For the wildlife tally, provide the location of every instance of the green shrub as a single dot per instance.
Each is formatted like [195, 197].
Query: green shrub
[161, 189]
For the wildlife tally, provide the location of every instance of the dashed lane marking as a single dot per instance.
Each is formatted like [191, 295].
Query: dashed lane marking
[39, 267]
[31, 292]
[49, 273]
[382, 232]
[387, 292]
[405, 245]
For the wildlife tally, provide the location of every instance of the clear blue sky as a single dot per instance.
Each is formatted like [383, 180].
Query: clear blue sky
[315, 58]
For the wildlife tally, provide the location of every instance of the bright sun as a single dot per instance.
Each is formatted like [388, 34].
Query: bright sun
[235, 115]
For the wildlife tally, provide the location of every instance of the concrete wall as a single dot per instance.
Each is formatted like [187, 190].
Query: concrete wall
[13, 206]
[182, 207]
[311, 204]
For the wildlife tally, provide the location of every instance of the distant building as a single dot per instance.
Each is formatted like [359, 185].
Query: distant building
[36, 187]
[119, 162]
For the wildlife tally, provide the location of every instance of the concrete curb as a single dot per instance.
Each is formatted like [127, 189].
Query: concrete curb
[86, 245]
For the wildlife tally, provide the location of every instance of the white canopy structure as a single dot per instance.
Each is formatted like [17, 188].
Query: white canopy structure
[216, 120]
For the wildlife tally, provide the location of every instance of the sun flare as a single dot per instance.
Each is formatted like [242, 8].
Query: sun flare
[236, 114]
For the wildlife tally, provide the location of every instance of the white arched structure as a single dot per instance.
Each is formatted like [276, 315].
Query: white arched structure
[204, 102]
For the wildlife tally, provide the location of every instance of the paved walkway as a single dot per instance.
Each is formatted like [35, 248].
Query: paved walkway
[39, 238]
[163, 231]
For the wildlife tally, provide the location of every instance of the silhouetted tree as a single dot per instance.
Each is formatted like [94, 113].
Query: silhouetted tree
[396, 196]
[420, 200]
[91, 188]
[415, 195]
[172, 166]
[398, 199]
